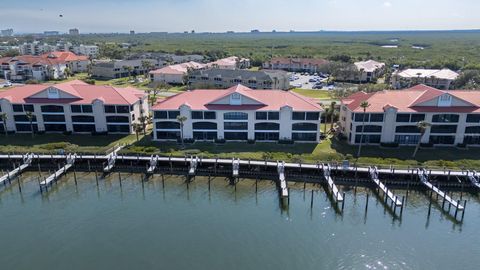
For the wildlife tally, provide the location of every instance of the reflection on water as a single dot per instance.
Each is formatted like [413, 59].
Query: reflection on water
[171, 225]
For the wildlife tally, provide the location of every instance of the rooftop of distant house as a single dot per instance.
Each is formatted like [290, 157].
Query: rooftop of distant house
[369, 65]
[428, 73]
[302, 61]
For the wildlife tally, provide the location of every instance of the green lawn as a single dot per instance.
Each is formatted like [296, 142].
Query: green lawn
[312, 93]
[328, 150]
[52, 143]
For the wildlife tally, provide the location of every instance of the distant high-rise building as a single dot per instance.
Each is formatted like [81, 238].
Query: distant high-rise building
[74, 32]
[51, 33]
[132, 32]
[7, 32]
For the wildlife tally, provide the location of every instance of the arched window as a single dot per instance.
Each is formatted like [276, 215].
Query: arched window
[305, 126]
[167, 125]
[267, 126]
[205, 125]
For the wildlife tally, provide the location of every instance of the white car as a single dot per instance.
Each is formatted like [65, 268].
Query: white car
[7, 84]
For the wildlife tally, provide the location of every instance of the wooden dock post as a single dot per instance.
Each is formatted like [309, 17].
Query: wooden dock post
[96, 177]
[463, 212]
[163, 181]
[343, 201]
[403, 204]
[256, 185]
[311, 200]
[456, 209]
[120, 178]
[75, 176]
[88, 163]
[366, 203]
[209, 180]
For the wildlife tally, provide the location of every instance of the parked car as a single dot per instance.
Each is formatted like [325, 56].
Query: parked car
[313, 80]
[7, 84]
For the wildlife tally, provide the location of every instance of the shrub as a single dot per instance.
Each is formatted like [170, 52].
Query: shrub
[67, 133]
[220, 141]
[285, 141]
[426, 145]
[251, 141]
[31, 81]
[89, 81]
[390, 145]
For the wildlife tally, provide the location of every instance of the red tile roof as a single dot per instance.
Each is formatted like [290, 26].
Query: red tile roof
[51, 58]
[268, 100]
[410, 100]
[65, 56]
[84, 93]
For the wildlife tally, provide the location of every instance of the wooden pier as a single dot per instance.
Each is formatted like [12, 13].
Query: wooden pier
[396, 202]
[281, 179]
[70, 160]
[337, 196]
[27, 160]
[423, 175]
[474, 178]
[152, 164]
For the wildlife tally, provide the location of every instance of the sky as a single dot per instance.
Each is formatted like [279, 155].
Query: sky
[100, 16]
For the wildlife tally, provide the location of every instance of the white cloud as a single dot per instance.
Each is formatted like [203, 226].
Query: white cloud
[387, 4]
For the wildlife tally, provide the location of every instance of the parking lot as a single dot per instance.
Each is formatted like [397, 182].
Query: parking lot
[303, 81]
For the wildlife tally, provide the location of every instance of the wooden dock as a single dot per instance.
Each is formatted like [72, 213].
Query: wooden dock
[396, 202]
[337, 196]
[70, 160]
[423, 175]
[152, 164]
[281, 179]
[474, 178]
[27, 160]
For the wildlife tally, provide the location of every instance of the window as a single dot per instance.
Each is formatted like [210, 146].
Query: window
[168, 135]
[359, 117]
[407, 139]
[17, 107]
[25, 127]
[53, 93]
[417, 117]
[442, 139]
[83, 128]
[83, 119]
[307, 137]
[376, 117]
[205, 125]
[24, 118]
[274, 116]
[407, 129]
[55, 127]
[305, 126]
[443, 129]
[204, 135]
[209, 115]
[369, 128]
[118, 128]
[123, 109]
[267, 126]
[52, 108]
[368, 138]
[109, 109]
[473, 118]
[235, 116]
[54, 118]
[472, 140]
[203, 115]
[167, 125]
[81, 108]
[197, 115]
[160, 115]
[173, 114]
[298, 116]
[445, 118]
[403, 118]
[474, 129]
[312, 116]
[261, 115]
[267, 136]
[235, 126]
[118, 119]
[236, 136]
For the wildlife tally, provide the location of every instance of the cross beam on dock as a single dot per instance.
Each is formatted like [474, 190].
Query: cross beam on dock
[423, 175]
[282, 180]
[27, 160]
[474, 178]
[193, 165]
[337, 196]
[396, 202]
[152, 164]
[70, 160]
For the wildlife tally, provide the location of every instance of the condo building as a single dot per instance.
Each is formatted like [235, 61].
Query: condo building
[392, 117]
[238, 114]
[72, 107]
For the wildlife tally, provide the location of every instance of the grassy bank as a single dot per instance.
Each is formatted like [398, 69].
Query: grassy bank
[328, 150]
[311, 93]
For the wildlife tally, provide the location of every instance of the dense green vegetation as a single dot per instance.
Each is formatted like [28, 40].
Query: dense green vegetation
[453, 49]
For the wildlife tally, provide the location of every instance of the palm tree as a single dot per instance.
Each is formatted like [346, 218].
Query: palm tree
[146, 65]
[143, 119]
[422, 126]
[332, 114]
[137, 127]
[129, 70]
[4, 118]
[364, 105]
[67, 72]
[181, 119]
[30, 117]
[327, 111]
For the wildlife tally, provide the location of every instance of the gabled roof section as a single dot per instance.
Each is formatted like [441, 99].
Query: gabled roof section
[240, 89]
[430, 93]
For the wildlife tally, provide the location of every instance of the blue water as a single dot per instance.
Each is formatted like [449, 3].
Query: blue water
[175, 227]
